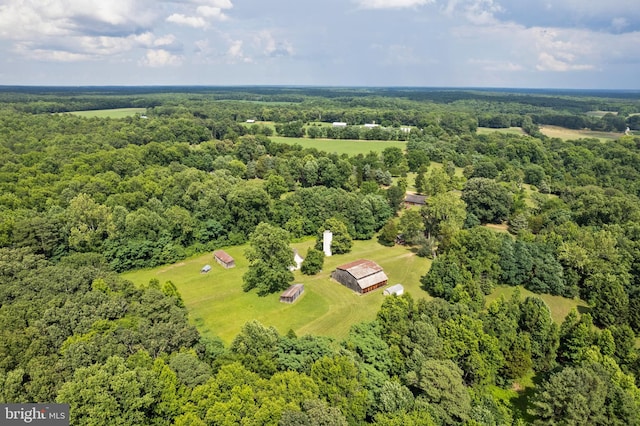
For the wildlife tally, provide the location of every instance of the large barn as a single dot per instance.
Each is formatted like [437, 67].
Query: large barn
[361, 276]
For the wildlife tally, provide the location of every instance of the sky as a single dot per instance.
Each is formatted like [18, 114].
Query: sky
[573, 44]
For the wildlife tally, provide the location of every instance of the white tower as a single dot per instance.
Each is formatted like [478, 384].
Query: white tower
[327, 236]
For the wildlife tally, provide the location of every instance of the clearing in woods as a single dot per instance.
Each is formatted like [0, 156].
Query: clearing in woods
[218, 306]
[110, 113]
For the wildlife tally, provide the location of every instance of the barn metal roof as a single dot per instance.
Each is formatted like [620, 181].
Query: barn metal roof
[361, 268]
[292, 290]
[223, 256]
[374, 279]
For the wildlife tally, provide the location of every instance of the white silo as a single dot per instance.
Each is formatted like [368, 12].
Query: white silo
[327, 237]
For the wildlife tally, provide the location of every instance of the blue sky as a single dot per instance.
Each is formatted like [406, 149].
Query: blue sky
[461, 43]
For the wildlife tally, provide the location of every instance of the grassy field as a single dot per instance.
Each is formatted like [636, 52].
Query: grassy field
[111, 113]
[341, 146]
[600, 113]
[568, 134]
[511, 130]
[218, 306]
[560, 306]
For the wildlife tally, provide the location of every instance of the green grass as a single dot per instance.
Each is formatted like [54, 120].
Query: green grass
[510, 130]
[559, 306]
[269, 124]
[600, 113]
[218, 306]
[571, 134]
[341, 146]
[110, 113]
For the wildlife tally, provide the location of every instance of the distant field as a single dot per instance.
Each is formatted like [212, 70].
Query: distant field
[111, 113]
[269, 124]
[600, 113]
[559, 306]
[341, 146]
[569, 134]
[218, 306]
[510, 130]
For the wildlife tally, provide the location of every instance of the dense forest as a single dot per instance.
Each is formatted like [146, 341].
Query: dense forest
[84, 199]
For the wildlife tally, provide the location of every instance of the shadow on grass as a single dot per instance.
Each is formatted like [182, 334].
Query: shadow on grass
[583, 309]
[522, 402]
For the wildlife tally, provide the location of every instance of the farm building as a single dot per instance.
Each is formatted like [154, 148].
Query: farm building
[339, 124]
[297, 259]
[414, 200]
[397, 290]
[205, 269]
[292, 293]
[223, 258]
[361, 276]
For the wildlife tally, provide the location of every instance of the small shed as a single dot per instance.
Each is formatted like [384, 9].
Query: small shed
[396, 289]
[251, 121]
[414, 200]
[361, 276]
[297, 259]
[223, 258]
[205, 269]
[292, 293]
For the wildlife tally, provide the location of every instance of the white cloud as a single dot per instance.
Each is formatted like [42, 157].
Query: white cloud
[267, 44]
[391, 4]
[236, 52]
[212, 12]
[55, 55]
[190, 21]
[20, 19]
[548, 62]
[156, 58]
[75, 30]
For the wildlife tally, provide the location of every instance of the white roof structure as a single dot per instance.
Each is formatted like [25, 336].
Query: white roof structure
[339, 124]
[396, 289]
[298, 261]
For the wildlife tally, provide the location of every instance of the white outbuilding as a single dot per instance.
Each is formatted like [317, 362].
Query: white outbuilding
[396, 289]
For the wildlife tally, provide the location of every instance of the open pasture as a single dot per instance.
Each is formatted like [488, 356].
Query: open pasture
[218, 306]
[559, 306]
[341, 146]
[110, 113]
[509, 130]
[571, 134]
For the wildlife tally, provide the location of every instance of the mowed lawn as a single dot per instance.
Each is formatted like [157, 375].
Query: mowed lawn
[341, 146]
[111, 113]
[218, 306]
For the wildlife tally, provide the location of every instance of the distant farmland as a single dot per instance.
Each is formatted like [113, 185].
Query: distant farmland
[341, 146]
[571, 134]
[110, 113]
